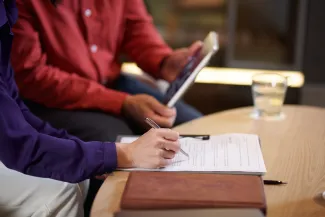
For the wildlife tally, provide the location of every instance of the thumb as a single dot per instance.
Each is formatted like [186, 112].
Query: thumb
[195, 46]
[161, 109]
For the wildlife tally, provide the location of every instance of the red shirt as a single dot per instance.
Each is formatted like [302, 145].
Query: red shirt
[63, 55]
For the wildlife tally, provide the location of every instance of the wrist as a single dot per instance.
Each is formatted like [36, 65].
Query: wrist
[124, 155]
[125, 104]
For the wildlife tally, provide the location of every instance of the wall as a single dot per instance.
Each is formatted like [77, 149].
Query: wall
[313, 92]
[314, 61]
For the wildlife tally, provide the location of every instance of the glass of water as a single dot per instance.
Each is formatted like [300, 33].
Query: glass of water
[269, 90]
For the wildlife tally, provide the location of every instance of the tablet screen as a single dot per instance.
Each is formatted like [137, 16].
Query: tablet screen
[184, 74]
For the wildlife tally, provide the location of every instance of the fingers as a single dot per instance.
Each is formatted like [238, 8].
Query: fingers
[172, 146]
[155, 149]
[164, 162]
[161, 109]
[195, 46]
[167, 154]
[168, 140]
[168, 134]
[189, 52]
[163, 121]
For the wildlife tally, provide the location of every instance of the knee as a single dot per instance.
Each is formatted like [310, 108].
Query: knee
[69, 199]
[74, 191]
[186, 113]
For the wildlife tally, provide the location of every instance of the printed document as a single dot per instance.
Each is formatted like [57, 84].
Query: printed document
[227, 153]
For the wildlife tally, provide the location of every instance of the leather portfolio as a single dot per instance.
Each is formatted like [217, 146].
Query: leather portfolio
[173, 190]
[212, 212]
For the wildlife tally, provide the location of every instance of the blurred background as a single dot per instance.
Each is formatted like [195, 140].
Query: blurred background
[277, 35]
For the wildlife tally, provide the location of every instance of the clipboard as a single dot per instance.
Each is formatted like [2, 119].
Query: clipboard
[198, 136]
[238, 158]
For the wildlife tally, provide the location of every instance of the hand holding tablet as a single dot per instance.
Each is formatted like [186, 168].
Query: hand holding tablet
[139, 106]
[174, 63]
[194, 65]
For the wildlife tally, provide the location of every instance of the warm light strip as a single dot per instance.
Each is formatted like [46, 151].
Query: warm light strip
[231, 76]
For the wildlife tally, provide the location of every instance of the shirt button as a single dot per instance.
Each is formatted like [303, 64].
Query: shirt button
[87, 12]
[93, 48]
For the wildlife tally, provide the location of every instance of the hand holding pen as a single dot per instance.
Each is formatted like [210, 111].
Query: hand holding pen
[156, 126]
[154, 149]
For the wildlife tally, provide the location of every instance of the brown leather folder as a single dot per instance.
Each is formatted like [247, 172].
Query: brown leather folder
[172, 190]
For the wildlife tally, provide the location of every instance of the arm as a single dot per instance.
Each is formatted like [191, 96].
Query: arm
[39, 125]
[70, 91]
[25, 149]
[142, 42]
[42, 126]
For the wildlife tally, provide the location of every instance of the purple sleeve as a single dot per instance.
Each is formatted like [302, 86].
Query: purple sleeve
[38, 124]
[31, 146]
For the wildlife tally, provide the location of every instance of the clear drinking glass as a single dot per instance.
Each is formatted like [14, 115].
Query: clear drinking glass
[268, 90]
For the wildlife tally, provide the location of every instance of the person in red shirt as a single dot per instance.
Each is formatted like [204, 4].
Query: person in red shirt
[66, 60]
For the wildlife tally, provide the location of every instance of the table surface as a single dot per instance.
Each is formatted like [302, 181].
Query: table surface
[293, 150]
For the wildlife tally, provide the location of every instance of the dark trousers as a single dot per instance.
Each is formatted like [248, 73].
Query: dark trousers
[100, 126]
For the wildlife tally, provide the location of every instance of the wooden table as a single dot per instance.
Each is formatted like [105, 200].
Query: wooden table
[293, 149]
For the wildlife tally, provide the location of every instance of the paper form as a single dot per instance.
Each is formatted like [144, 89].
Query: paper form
[232, 153]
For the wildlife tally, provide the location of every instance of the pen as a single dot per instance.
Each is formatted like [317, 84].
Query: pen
[274, 182]
[323, 195]
[320, 197]
[202, 137]
[156, 126]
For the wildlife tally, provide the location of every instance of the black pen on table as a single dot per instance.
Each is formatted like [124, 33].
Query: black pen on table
[156, 126]
[274, 182]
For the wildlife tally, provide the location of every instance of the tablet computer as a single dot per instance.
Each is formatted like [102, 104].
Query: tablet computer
[192, 68]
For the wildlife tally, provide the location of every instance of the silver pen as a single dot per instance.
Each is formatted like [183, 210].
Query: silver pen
[156, 126]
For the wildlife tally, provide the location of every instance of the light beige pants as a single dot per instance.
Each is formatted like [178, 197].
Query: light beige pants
[22, 196]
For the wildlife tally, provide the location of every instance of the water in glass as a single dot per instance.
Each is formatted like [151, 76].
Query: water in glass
[269, 92]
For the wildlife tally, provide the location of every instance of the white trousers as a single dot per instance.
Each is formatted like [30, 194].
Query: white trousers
[22, 196]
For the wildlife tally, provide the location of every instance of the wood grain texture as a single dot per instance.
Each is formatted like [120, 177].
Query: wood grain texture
[293, 149]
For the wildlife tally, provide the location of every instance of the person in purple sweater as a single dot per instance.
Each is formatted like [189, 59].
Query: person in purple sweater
[44, 171]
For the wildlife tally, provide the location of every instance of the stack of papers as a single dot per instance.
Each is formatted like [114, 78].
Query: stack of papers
[227, 153]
